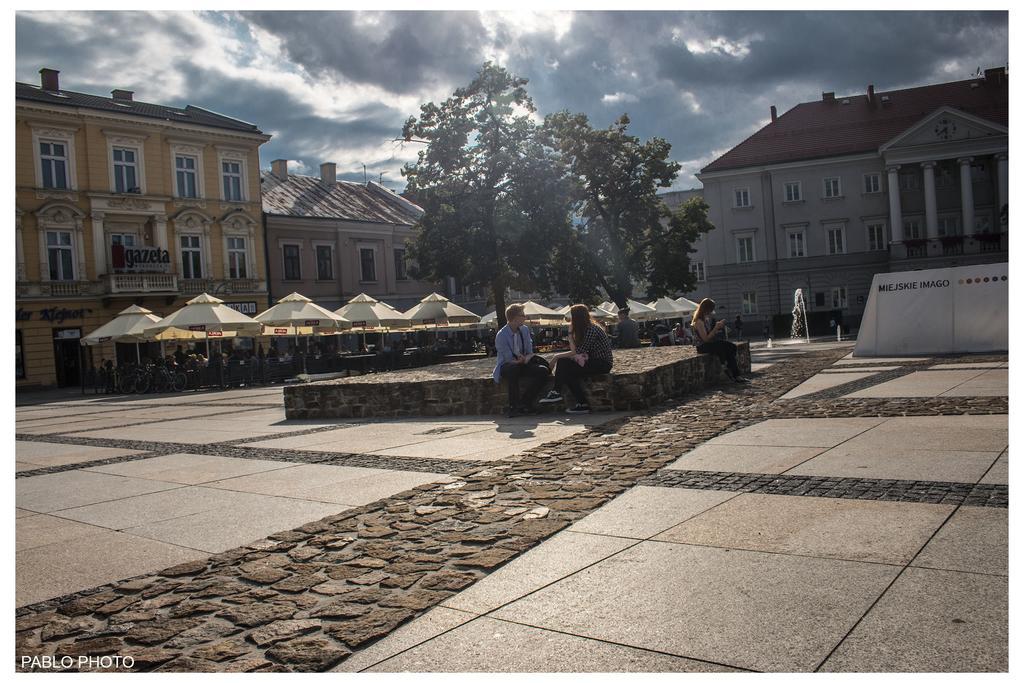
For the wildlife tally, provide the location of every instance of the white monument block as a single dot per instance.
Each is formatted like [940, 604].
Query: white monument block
[944, 310]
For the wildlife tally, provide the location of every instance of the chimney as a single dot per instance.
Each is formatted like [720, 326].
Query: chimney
[279, 167]
[328, 173]
[871, 95]
[123, 95]
[775, 114]
[995, 76]
[48, 79]
[828, 97]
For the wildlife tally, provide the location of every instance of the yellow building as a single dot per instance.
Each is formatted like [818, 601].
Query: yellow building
[121, 202]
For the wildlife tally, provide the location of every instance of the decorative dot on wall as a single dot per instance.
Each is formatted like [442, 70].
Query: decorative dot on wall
[986, 280]
[961, 280]
[1004, 278]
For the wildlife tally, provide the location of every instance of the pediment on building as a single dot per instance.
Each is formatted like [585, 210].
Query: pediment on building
[946, 124]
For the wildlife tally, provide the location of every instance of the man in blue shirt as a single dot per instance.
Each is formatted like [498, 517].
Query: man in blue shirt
[513, 346]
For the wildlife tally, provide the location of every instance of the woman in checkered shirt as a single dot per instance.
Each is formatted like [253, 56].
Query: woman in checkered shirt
[590, 353]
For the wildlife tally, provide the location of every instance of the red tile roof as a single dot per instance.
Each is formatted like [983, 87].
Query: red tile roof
[814, 130]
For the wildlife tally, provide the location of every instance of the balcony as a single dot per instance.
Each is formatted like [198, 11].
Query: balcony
[218, 286]
[140, 283]
[57, 289]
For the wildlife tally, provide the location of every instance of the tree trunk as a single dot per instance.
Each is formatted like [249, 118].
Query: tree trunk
[498, 293]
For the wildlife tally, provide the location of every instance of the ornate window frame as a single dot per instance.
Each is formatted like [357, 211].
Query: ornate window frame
[241, 157]
[55, 133]
[193, 222]
[187, 149]
[239, 224]
[61, 216]
[133, 141]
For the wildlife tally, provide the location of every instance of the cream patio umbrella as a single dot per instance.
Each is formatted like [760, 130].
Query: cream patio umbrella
[203, 317]
[598, 313]
[690, 305]
[296, 315]
[641, 311]
[536, 313]
[127, 327]
[667, 308]
[437, 311]
[367, 314]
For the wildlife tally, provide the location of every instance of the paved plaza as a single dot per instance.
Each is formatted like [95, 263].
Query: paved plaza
[837, 514]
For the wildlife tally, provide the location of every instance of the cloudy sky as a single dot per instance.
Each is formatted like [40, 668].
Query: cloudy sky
[337, 86]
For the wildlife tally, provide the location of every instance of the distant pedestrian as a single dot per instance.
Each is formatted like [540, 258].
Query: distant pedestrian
[767, 332]
[707, 334]
[628, 337]
[739, 327]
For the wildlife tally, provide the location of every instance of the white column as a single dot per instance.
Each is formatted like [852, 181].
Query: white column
[966, 194]
[1004, 194]
[895, 212]
[20, 246]
[160, 231]
[44, 256]
[931, 213]
[207, 252]
[99, 244]
[80, 270]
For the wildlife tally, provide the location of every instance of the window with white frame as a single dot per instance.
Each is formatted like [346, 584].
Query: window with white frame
[744, 248]
[908, 181]
[231, 173]
[793, 192]
[53, 161]
[126, 239]
[400, 270]
[876, 237]
[60, 255]
[795, 240]
[949, 225]
[324, 262]
[291, 260]
[367, 265]
[186, 176]
[912, 229]
[839, 297]
[872, 183]
[742, 197]
[236, 257]
[833, 188]
[191, 256]
[749, 302]
[126, 169]
[835, 239]
[697, 268]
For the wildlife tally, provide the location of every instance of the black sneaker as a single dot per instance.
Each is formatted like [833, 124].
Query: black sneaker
[552, 397]
[578, 409]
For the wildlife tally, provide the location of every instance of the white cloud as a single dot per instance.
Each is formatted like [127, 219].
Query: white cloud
[618, 97]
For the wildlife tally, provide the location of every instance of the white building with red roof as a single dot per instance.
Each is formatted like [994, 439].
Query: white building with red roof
[833, 191]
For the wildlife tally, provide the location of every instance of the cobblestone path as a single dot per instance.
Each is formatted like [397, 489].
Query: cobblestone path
[303, 600]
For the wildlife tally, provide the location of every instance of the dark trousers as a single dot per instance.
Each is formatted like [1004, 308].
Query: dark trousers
[726, 352]
[537, 376]
[569, 372]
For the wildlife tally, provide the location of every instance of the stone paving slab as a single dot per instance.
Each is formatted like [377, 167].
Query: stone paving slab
[989, 383]
[223, 528]
[492, 645]
[51, 492]
[945, 432]
[863, 530]
[930, 621]
[973, 540]
[966, 366]
[822, 433]
[850, 360]
[561, 555]
[895, 462]
[823, 381]
[296, 482]
[735, 458]
[60, 568]
[35, 531]
[645, 511]
[189, 468]
[923, 383]
[999, 472]
[149, 508]
[683, 600]
[432, 624]
[40, 454]
[854, 369]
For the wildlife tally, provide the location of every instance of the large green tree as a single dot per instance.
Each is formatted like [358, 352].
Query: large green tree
[495, 198]
[623, 231]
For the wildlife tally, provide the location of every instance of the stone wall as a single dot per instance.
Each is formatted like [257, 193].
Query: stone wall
[641, 378]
